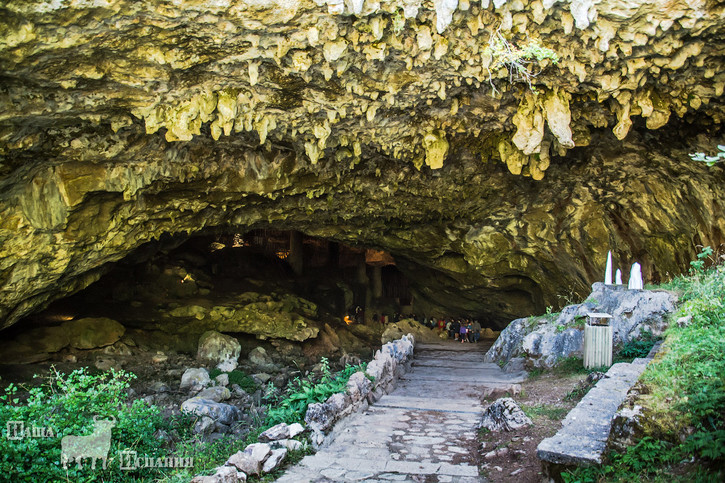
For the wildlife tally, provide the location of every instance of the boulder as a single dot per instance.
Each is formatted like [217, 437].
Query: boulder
[93, 332]
[250, 460]
[195, 378]
[222, 379]
[274, 459]
[259, 357]
[245, 463]
[295, 429]
[320, 417]
[409, 326]
[215, 393]
[219, 412]
[205, 426]
[504, 415]
[290, 444]
[547, 339]
[277, 432]
[219, 349]
[45, 339]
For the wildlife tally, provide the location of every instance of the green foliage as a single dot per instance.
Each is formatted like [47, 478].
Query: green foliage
[636, 347]
[398, 21]
[519, 61]
[67, 404]
[698, 266]
[639, 462]
[237, 377]
[710, 160]
[300, 393]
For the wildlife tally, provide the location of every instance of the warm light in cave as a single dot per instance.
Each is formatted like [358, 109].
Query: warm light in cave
[61, 317]
[282, 254]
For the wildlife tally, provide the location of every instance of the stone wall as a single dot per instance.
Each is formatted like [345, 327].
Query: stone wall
[389, 363]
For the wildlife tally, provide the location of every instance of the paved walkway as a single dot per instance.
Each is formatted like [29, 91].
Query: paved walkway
[424, 431]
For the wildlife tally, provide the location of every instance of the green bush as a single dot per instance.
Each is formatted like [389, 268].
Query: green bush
[637, 347]
[67, 404]
[300, 393]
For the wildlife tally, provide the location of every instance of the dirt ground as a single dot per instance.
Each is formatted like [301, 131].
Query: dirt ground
[511, 456]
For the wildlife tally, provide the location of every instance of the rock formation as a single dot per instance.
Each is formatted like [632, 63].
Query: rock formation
[496, 149]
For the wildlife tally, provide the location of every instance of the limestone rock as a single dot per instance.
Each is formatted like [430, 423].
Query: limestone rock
[219, 412]
[223, 474]
[205, 426]
[90, 333]
[545, 340]
[274, 459]
[216, 394]
[277, 432]
[220, 349]
[250, 460]
[259, 357]
[504, 415]
[199, 118]
[194, 378]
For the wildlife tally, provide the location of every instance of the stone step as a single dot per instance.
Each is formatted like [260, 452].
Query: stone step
[450, 405]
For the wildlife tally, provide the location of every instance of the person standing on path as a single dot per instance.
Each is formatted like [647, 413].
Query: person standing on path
[463, 331]
[476, 330]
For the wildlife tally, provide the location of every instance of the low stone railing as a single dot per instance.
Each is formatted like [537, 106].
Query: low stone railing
[389, 363]
[582, 439]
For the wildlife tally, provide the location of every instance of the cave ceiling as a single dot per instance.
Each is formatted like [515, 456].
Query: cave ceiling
[497, 149]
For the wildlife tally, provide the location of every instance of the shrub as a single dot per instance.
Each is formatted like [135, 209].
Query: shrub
[300, 393]
[67, 405]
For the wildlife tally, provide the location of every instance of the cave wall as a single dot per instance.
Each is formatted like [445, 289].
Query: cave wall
[394, 125]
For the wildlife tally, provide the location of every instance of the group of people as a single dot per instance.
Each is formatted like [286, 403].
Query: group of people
[465, 330]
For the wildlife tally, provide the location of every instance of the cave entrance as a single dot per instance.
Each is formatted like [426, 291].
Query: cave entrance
[337, 276]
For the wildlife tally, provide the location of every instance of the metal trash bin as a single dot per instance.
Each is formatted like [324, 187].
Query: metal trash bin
[598, 340]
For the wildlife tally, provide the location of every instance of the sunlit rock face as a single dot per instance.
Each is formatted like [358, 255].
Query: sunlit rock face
[403, 126]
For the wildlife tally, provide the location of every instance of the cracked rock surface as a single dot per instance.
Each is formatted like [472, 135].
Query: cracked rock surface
[399, 125]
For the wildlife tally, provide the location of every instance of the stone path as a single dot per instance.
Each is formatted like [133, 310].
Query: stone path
[424, 431]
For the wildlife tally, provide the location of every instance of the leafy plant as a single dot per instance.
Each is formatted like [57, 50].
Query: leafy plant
[300, 393]
[635, 348]
[710, 160]
[698, 266]
[519, 61]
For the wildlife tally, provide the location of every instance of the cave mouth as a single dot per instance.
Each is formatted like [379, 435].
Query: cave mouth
[262, 286]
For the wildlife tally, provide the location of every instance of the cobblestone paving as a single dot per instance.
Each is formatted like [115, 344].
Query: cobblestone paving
[424, 431]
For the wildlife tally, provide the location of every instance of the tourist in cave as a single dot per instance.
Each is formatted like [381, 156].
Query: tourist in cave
[376, 318]
[463, 331]
[455, 329]
[476, 330]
